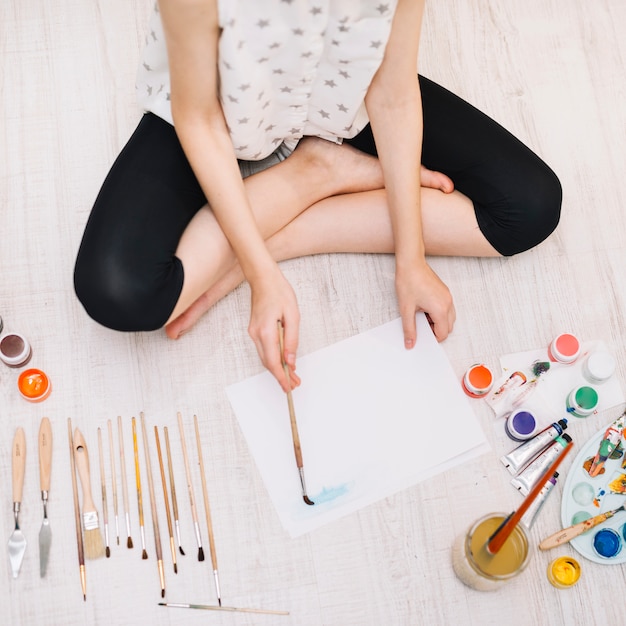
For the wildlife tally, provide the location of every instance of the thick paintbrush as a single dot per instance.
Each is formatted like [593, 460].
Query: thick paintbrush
[79, 534]
[94, 546]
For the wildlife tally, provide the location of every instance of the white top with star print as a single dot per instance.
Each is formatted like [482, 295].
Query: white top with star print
[288, 68]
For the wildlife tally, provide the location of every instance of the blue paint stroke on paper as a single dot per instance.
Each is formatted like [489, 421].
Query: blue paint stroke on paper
[326, 495]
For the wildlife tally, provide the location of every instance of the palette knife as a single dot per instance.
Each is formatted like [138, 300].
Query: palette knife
[17, 540]
[45, 466]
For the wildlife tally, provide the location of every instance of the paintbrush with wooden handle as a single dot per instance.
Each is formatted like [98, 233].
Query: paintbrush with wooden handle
[94, 546]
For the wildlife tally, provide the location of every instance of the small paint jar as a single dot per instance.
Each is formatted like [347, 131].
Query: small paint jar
[482, 571]
[564, 349]
[564, 572]
[607, 543]
[599, 367]
[477, 381]
[521, 425]
[15, 351]
[582, 401]
[34, 385]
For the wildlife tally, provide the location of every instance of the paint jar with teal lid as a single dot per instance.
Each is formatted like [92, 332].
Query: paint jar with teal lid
[582, 401]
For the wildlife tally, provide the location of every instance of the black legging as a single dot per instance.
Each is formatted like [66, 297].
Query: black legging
[128, 277]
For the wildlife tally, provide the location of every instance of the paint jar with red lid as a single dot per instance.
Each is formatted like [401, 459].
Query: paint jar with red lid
[15, 350]
[564, 349]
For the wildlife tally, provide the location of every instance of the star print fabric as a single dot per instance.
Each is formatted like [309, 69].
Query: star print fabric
[288, 68]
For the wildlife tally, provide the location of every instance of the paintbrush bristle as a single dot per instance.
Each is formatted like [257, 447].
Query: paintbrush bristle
[144, 555]
[94, 545]
[175, 568]
[200, 553]
[181, 550]
[129, 542]
[108, 552]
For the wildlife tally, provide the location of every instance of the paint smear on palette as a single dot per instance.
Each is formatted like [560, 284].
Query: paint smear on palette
[597, 501]
[328, 494]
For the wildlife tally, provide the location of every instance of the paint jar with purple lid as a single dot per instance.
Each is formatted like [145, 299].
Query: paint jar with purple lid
[521, 425]
[598, 367]
[479, 569]
[15, 350]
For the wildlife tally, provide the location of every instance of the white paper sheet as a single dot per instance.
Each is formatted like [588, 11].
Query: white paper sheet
[373, 419]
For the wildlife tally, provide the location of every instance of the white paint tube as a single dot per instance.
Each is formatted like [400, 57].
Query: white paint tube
[528, 519]
[517, 459]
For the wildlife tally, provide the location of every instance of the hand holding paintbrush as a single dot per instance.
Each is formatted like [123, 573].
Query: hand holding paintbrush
[94, 546]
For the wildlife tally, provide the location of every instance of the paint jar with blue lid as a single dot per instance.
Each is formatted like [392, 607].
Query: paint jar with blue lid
[607, 543]
[582, 401]
[521, 425]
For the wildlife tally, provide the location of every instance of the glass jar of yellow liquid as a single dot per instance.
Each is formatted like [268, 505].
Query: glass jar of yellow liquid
[480, 570]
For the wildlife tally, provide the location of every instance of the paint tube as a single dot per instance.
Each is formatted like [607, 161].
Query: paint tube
[526, 479]
[516, 460]
[528, 519]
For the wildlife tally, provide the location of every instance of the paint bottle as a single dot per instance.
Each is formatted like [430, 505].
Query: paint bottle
[564, 349]
[564, 572]
[598, 367]
[478, 569]
[477, 381]
[34, 385]
[521, 425]
[15, 351]
[517, 459]
[528, 519]
[582, 401]
[527, 478]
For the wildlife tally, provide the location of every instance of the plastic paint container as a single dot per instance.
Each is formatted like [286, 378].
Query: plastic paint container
[607, 543]
[564, 349]
[478, 569]
[599, 367]
[15, 350]
[521, 425]
[564, 572]
[477, 381]
[34, 385]
[582, 401]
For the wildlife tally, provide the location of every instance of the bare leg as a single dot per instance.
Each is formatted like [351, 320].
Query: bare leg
[356, 222]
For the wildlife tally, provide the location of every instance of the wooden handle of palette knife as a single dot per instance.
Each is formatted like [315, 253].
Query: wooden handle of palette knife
[292, 413]
[18, 461]
[567, 534]
[45, 453]
[81, 455]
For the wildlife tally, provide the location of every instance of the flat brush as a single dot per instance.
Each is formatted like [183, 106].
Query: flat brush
[192, 498]
[170, 469]
[153, 508]
[79, 532]
[292, 416]
[113, 481]
[94, 546]
[166, 499]
[105, 513]
[129, 540]
[142, 530]
[207, 511]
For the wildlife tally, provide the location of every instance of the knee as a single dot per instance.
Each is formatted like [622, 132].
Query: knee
[121, 297]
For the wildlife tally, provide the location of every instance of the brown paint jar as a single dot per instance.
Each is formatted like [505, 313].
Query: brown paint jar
[15, 350]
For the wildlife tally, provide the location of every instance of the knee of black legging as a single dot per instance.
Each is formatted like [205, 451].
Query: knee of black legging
[536, 213]
[124, 300]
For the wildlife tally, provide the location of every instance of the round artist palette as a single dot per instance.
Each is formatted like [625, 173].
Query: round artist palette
[580, 493]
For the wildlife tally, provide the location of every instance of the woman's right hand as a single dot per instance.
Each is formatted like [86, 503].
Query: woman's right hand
[273, 300]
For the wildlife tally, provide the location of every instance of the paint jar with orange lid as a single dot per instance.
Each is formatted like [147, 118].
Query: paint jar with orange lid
[15, 350]
[34, 385]
[564, 349]
[478, 569]
[477, 381]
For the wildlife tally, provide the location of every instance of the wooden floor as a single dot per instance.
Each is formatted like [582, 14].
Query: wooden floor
[553, 72]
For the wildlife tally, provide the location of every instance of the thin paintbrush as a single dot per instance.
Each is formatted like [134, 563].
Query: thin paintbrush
[105, 513]
[207, 510]
[129, 541]
[192, 498]
[113, 481]
[209, 607]
[292, 415]
[94, 547]
[142, 531]
[79, 530]
[503, 532]
[166, 500]
[153, 508]
[170, 469]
